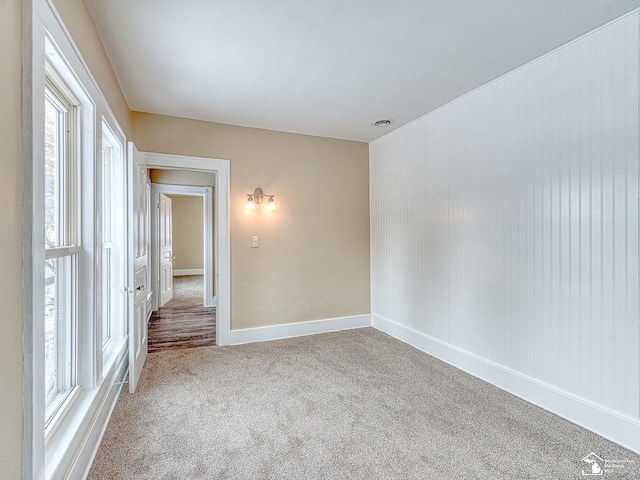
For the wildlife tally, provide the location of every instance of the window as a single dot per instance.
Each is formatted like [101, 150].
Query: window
[114, 241]
[75, 257]
[61, 204]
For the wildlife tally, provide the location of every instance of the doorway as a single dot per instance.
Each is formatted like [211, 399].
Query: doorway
[182, 239]
[216, 274]
[187, 253]
[183, 235]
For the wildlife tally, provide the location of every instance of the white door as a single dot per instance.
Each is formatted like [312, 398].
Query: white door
[138, 215]
[165, 226]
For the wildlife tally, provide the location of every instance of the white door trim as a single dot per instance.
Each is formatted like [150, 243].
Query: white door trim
[221, 168]
[207, 194]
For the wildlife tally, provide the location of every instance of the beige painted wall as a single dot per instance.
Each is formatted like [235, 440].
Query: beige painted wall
[313, 261]
[78, 21]
[188, 232]
[11, 239]
[182, 177]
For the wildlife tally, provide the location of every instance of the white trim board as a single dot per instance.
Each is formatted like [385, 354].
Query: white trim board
[300, 329]
[188, 271]
[603, 421]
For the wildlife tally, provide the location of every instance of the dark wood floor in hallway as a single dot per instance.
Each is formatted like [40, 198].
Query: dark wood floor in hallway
[185, 327]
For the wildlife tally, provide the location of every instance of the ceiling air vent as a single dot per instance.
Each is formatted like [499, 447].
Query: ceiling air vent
[382, 122]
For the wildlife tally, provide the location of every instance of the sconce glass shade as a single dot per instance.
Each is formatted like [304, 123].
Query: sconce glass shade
[254, 199]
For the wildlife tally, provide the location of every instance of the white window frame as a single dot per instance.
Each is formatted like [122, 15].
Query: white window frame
[67, 247]
[64, 447]
[116, 244]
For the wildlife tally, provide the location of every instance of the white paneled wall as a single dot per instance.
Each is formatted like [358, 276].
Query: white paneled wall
[505, 224]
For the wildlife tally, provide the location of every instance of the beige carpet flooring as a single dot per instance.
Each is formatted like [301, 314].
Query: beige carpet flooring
[188, 291]
[346, 405]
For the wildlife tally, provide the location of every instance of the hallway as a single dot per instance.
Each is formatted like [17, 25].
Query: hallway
[183, 322]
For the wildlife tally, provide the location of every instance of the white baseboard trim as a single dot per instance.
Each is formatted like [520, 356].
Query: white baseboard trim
[96, 430]
[276, 332]
[601, 420]
[188, 271]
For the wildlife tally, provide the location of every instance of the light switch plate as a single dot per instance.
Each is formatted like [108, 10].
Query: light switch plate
[255, 241]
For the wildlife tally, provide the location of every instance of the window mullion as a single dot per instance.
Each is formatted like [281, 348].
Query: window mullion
[58, 252]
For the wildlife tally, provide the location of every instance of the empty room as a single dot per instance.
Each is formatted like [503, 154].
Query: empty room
[320, 239]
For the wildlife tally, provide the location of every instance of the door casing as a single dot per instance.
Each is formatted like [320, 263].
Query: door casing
[222, 254]
[209, 299]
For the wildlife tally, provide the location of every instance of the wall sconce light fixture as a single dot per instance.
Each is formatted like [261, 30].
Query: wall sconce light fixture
[256, 198]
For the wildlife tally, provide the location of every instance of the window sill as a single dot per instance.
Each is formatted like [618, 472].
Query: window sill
[70, 434]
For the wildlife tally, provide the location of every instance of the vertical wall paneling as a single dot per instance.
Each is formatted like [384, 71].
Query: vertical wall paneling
[505, 224]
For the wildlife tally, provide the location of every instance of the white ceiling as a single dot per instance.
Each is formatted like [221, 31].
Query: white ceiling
[327, 67]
